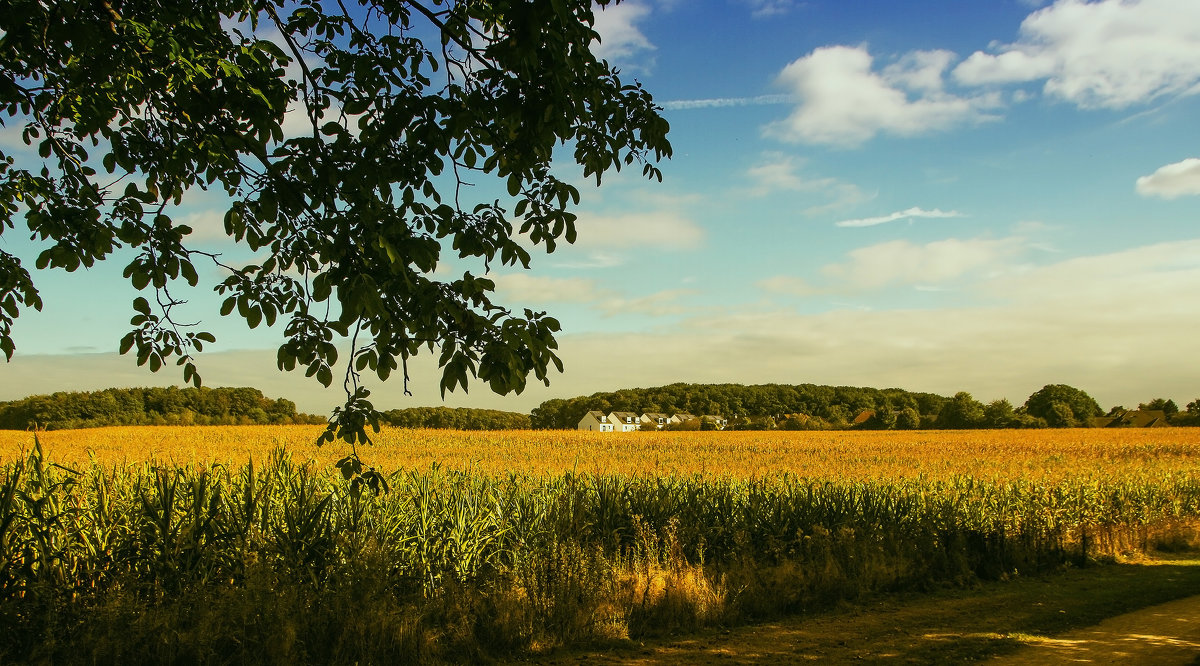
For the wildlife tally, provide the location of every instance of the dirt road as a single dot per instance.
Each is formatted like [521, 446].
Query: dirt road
[1147, 613]
[1165, 634]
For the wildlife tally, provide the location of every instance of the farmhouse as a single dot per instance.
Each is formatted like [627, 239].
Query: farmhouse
[1133, 418]
[625, 421]
[656, 419]
[595, 421]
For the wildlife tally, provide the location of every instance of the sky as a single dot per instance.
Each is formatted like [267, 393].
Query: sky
[932, 195]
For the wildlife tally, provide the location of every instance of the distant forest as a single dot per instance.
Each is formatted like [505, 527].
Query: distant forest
[815, 407]
[760, 407]
[456, 418]
[150, 406]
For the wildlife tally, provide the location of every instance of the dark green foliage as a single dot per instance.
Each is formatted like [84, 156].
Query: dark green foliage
[962, 412]
[149, 406]
[404, 104]
[1190, 416]
[1000, 414]
[1167, 406]
[908, 419]
[1063, 406]
[456, 418]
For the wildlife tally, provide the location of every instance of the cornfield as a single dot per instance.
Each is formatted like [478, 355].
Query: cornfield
[491, 543]
[1045, 455]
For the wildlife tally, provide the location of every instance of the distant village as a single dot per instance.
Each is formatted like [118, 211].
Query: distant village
[597, 421]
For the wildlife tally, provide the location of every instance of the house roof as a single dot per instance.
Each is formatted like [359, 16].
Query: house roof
[684, 416]
[1147, 418]
[598, 415]
[864, 416]
[1134, 418]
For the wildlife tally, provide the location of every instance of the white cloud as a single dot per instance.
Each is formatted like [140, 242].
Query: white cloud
[525, 288]
[1173, 180]
[662, 230]
[620, 38]
[898, 215]
[907, 263]
[844, 102]
[1112, 54]
[920, 71]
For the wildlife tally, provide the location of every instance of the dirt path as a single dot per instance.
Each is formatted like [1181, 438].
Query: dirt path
[1147, 613]
[1165, 634]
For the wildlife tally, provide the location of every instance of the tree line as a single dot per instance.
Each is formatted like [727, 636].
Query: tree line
[150, 406]
[456, 418]
[817, 407]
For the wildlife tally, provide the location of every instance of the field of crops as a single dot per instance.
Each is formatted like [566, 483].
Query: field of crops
[1030, 455]
[233, 543]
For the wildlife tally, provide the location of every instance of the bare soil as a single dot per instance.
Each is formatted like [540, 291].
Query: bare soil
[1145, 612]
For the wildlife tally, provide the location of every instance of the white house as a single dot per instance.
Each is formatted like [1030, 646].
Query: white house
[625, 421]
[682, 417]
[655, 419]
[595, 421]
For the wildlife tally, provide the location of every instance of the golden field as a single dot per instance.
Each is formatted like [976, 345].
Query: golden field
[516, 541]
[1037, 455]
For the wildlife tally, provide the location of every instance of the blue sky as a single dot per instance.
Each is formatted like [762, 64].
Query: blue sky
[940, 196]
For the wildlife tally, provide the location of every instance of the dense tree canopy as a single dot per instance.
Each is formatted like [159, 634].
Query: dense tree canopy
[1063, 406]
[149, 406]
[127, 106]
[456, 418]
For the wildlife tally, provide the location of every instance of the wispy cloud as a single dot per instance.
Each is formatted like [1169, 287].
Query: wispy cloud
[939, 262]
[783, 173]
[657, 304]
[906, 214]
[768, 8]
[788, 285]
[593, 260]
[723, 102]
[660, 230]
[542, 290]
